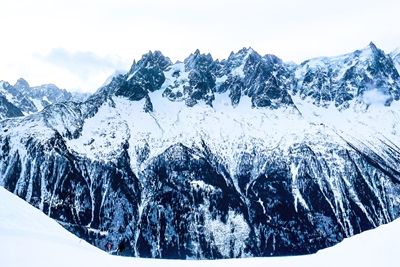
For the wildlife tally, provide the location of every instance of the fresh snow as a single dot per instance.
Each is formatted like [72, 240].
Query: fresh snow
[37, 103]
[30, 238]
[395, 55]
[112, 76]
[395, 52]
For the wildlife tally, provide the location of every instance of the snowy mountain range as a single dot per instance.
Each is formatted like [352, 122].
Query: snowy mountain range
[206, 159]
[21, 99]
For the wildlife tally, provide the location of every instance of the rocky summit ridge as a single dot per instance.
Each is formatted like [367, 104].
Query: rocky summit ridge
[27, 100]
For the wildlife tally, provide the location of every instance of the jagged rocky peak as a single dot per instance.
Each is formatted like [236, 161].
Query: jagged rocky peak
[150, 60]
[18, 97]
[22, 84]
[198, 61]
[240, 55]
[378, 62]
[267, 80]
[201, 78]
[264, 79]
[272, 59]
[343, 80]
[340, 80]
[375, 71]
[30, 100]
[145, 76]
[235, 62]
[47, 94]
[193, 80]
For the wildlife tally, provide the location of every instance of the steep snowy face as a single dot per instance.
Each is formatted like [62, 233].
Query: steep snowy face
[348, 79]
[18, 99]
[395, 55]
[206, 159]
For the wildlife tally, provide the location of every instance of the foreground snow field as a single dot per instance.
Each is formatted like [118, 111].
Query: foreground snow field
[30, 238]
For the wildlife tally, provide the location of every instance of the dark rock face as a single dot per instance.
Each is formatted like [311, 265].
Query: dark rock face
[186, 204]
[144, 77]
[201, 86]
[184, 192]
[79, 192]
[264, 79]
[8, 110]
[234, 85]
[182, 196]
[268, 82]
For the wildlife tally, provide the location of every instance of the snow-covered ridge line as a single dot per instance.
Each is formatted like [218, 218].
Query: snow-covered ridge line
[29, 100]
[280, 165]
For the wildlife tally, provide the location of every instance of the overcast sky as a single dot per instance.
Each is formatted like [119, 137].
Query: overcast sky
[77, 44]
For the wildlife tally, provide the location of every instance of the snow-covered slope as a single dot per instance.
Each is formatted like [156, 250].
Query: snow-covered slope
[395, 55]
[30, 238]
[206, 159]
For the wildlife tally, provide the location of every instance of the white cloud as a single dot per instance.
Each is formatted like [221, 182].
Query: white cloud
[291, 29]
[82, 64]
[75, 71]
[374, 97]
